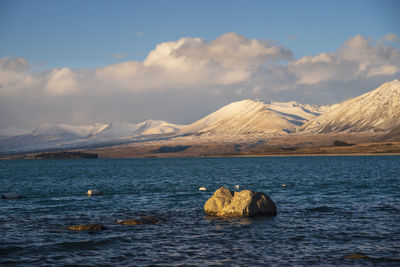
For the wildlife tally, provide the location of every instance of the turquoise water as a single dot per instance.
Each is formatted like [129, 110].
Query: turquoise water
[331, 207]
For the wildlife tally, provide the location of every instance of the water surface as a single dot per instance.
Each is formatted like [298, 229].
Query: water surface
[330, 208]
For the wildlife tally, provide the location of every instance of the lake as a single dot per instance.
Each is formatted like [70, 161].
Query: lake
[331, 207]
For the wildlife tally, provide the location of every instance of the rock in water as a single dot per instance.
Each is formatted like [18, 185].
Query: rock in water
[93, 192]
[245, 203]
[357, 257]
[131, 222]
[143, 220]
[10, 196]
[87, 227]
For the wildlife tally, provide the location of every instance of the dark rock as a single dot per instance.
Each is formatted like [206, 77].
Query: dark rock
[142, 220]
[10, 196]
[357, 257]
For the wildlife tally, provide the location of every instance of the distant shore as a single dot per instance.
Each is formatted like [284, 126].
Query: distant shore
[187, 150]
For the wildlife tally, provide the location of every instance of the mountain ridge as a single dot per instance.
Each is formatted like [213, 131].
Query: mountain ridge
[254, 117]
[65, 136]
[374, 111]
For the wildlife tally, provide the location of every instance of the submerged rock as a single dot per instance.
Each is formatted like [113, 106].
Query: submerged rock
[142, 220]
[10, 196]
[357, 257]
[93, 192]
[131, 222]
[87, 227]
[245, 203]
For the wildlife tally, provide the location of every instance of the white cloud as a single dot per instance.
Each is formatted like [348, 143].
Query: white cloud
[193, 62]
[180, 78]
[358, 58]
[16, 76]
[384, 70]
[391, 37]
[62, 82]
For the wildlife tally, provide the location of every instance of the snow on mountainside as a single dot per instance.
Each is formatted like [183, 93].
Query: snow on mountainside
[378, 110]
[62, 136]
[65, 129]
[254, 117]
[123, 129]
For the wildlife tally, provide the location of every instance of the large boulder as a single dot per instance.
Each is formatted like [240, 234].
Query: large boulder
[245, 203]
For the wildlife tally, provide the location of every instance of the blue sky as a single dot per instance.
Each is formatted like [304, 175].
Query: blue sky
[81, 62]
[84, 34]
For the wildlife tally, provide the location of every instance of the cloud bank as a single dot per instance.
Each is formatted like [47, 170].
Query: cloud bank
[182, 80]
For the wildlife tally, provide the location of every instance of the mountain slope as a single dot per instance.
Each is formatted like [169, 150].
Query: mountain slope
[254, 117]
[378, 110]
[118, 129]
[64, 136]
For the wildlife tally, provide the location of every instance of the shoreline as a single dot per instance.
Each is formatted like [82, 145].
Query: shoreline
[31, 157]
[283, 147]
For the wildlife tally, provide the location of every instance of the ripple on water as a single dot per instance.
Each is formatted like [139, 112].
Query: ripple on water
[331, 207]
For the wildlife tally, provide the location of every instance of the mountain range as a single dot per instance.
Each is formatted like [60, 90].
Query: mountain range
[64, 136]
[375, 112]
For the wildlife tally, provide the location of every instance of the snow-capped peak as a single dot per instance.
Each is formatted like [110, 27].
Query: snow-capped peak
[60, 129]
[377, 110]
[254, 117]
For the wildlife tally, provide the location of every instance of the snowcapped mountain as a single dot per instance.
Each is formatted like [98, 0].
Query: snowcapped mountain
[63, 136]
[118, 129]
[378, 110]
[254, 117]
[57, 130]
[375, 111]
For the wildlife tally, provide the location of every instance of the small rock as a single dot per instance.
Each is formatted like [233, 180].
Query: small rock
[93, 192]
[10, 196]
[357, 257]
[130, 222]
[245, 203]
[87, 227]
[151, 219]
[142, 220]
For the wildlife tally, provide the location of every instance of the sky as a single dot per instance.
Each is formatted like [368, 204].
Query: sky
[81, 62]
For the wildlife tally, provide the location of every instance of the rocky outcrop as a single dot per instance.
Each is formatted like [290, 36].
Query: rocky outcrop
[87, 227]
[245, 203]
